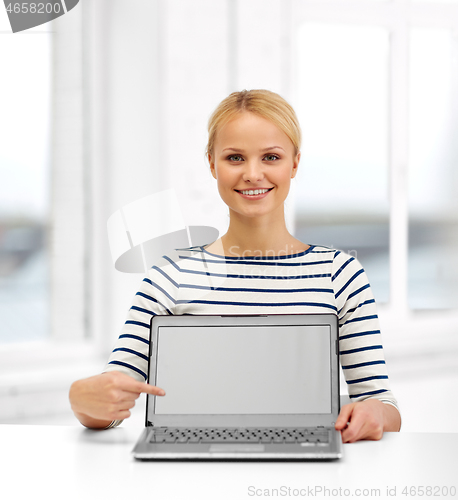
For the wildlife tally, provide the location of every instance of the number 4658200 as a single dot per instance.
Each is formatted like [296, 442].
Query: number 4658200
[34, 8]
[429, 491]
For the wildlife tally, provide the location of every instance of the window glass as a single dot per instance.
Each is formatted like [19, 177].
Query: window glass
[24, 185]
[433, 169]
[342, 105]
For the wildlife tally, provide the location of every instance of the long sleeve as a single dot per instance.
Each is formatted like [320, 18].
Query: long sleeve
[156, 295]
[360, 339]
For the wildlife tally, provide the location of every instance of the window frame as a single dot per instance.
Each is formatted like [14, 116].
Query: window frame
[71, 344]
[407, 330]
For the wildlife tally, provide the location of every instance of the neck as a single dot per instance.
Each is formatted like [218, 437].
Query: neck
[259, 236]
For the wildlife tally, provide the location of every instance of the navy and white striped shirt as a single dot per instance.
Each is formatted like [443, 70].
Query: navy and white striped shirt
[320, 279]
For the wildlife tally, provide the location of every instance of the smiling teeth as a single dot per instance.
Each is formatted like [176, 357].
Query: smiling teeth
[254, 191]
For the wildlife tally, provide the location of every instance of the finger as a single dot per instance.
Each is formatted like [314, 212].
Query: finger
[122, 415]
[118, 413]
[152, 389]
[128, 396]
[355, 429]
[119, 409]
[351, 435]
[129, 384]
[141, 387]
[126, 403]
[110, 413]
[344, 416]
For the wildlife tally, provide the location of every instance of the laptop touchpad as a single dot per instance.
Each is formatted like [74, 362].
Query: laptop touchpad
[215, 448]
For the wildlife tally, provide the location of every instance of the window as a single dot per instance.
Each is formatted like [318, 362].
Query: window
[343, 111]
[44, 341]
[433, 173]
[402, 60]
[25, 129]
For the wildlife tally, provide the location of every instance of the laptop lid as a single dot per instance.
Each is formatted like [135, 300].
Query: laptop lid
[244, 371]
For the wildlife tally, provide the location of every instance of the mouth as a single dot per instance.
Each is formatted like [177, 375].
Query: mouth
[254, 192]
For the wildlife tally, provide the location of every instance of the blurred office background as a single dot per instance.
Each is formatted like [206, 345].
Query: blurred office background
[109, 103]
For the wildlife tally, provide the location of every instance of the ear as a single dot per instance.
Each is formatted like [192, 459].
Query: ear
[212, 165]
[296, 165]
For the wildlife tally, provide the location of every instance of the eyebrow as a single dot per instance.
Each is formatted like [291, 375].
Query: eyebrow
[236, 150]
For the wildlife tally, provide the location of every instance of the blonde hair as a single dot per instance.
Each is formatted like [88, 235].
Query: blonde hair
[263, 103]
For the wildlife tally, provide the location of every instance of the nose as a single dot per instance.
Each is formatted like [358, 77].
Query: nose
[253, 171]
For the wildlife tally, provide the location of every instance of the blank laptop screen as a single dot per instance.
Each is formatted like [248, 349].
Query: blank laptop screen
[244, 370]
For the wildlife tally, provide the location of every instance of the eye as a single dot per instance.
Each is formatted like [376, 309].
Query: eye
[235, 158]
[271, 157]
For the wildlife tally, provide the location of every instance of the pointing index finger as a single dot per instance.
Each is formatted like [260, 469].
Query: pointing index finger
[152, 389]
[144, 387]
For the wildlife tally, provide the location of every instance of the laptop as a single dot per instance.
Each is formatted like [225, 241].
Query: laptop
[262, 387]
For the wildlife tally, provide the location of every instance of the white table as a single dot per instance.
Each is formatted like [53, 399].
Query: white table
[57, 462]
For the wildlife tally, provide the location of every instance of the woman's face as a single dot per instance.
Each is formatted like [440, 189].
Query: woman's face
[253, 162]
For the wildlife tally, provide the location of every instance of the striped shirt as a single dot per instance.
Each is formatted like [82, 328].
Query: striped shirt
[320, 279]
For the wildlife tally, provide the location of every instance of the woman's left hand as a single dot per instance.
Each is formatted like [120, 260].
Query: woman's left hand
[367, 420]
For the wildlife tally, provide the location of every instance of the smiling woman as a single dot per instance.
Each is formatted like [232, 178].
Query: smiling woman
[253, 152]
[253, 159]
[253, 162]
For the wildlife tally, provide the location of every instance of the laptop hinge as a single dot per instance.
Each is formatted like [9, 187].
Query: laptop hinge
[149, 424]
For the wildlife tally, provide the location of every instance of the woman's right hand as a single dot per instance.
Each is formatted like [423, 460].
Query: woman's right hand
[98, 400]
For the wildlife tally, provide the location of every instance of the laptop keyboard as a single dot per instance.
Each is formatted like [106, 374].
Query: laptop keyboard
[239, 435]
